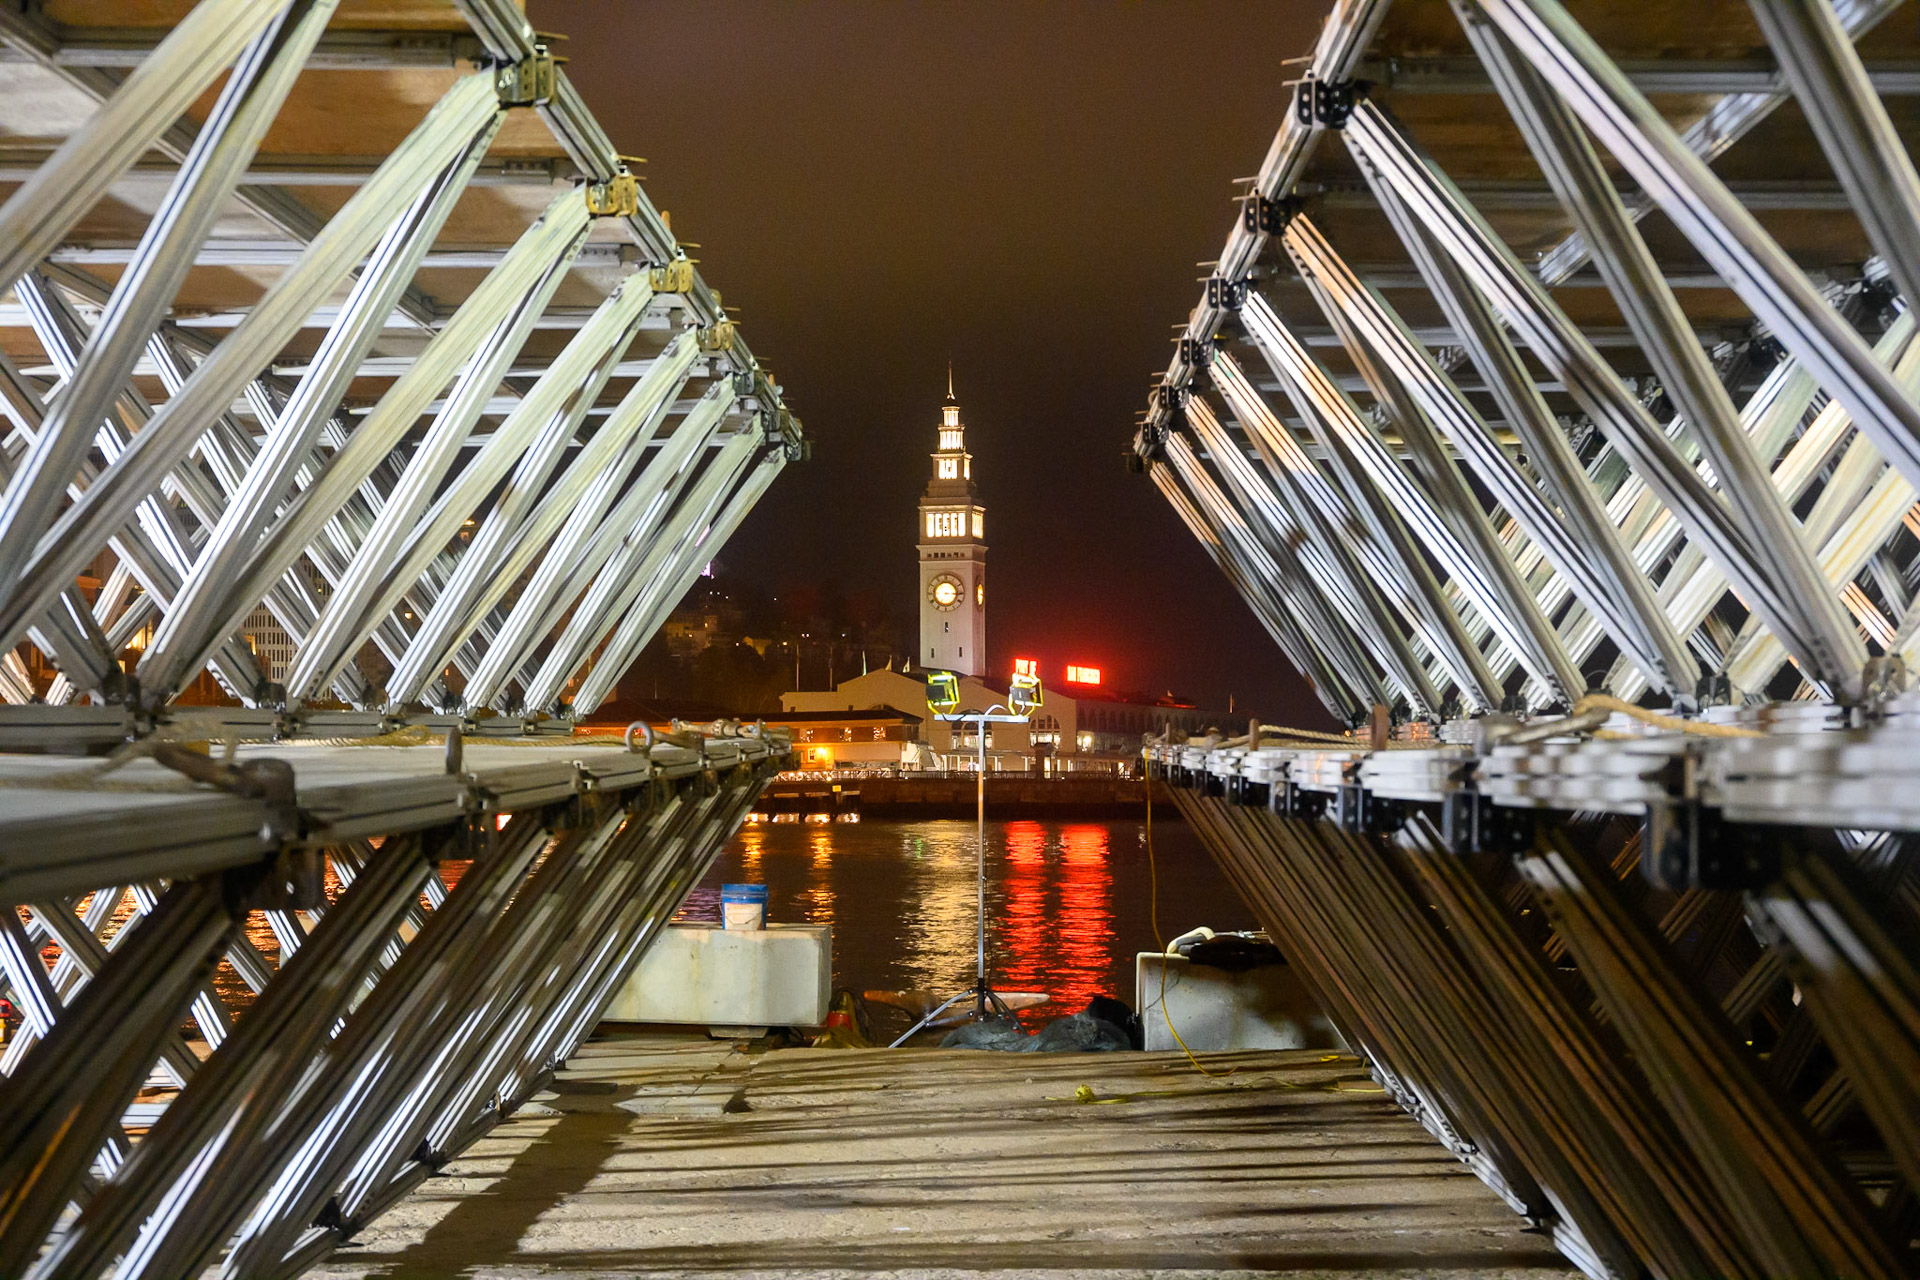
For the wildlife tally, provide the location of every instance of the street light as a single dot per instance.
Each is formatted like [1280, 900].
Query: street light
[943, 699]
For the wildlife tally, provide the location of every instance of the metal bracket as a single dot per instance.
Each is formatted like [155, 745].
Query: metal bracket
[1713, 690]
[1358, 810]
[718, 336]
[530, 82]
[1884, 678]
[674, 277]
[1327, 103]
[617, 197]
[1264, 217]
[1290, 800]
[295, 879]
[1686, 846]
[1459, 817]
[1197, 352]
[1227, 295]
[1245, 792]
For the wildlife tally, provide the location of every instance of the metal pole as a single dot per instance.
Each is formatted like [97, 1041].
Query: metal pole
[980, 854]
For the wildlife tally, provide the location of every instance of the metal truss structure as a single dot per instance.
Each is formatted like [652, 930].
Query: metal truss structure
[454, 427]
[1676, 1033]
[363, 421]
[1563, 360]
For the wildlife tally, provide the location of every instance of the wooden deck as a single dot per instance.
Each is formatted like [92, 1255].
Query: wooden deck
[689, 1158]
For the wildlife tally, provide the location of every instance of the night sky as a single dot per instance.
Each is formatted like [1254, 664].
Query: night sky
[1025, 187]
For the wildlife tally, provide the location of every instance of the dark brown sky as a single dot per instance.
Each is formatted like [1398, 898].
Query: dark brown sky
[1027, 186]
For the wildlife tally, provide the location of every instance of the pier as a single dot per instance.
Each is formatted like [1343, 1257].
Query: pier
[694, 1160]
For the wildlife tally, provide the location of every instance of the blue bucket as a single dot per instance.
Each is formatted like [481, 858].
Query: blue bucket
[743, 906]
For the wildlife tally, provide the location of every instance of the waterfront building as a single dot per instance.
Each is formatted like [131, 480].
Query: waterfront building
[1078, 729]
[953, 555]
[947, 746]
[876, 738]
[1082, 729]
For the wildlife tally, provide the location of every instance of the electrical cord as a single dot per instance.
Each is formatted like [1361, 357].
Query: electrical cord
[1153, 912]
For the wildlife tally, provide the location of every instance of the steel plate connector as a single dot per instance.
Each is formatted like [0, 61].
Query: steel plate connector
[1327, 103]
[1264, 217]
[717, 337]
[1227, 295]
[617, 197]
[674, 277]
[296, 880]
[530, 82]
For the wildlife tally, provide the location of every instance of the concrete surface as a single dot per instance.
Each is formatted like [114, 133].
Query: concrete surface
[1265, 1007]
[703, 975]
[693, 1160]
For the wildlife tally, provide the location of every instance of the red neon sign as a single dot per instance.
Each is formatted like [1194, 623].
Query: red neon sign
[1083, 675]
[1026, 666]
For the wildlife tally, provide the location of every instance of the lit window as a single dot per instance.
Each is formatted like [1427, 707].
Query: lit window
[946, 524]
[979, 524]
[950, 416]
[949, 468]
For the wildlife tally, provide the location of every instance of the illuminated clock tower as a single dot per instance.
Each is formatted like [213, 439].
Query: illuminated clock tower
[953, 556]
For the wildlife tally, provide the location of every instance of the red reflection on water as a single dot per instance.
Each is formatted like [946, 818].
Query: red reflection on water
[1023, 931]
[1085, 915]
[1056, 931]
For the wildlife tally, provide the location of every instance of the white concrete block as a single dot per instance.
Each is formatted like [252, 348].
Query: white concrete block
[703, 975]
[1266, 1007]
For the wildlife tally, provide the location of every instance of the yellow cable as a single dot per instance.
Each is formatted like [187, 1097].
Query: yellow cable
[1153, 912]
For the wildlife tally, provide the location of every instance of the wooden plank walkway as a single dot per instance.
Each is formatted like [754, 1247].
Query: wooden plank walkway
[690, 1158]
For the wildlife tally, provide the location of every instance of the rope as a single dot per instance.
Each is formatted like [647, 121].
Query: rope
[188, 729]
[1672, 724]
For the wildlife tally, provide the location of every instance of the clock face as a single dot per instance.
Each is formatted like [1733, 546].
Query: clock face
[945, 591]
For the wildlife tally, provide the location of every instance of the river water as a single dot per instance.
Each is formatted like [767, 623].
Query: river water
[1068, 903]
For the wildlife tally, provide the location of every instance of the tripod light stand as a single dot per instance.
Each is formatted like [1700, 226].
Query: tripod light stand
[943, 699]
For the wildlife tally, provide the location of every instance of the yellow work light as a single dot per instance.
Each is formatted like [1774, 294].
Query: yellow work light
[943, 692]
[1024, 695]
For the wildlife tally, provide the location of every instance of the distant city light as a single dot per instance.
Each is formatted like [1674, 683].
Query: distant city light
[1083, 675]
[1026, 666]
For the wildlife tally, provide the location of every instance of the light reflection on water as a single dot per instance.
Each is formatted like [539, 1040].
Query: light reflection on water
[1067, 902]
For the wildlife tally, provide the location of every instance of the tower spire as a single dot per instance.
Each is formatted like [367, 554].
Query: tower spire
[949, 379]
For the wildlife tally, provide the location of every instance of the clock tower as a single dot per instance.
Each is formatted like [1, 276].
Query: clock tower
[953, 556]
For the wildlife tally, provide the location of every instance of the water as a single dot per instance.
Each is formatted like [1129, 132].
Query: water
[1068, 903]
